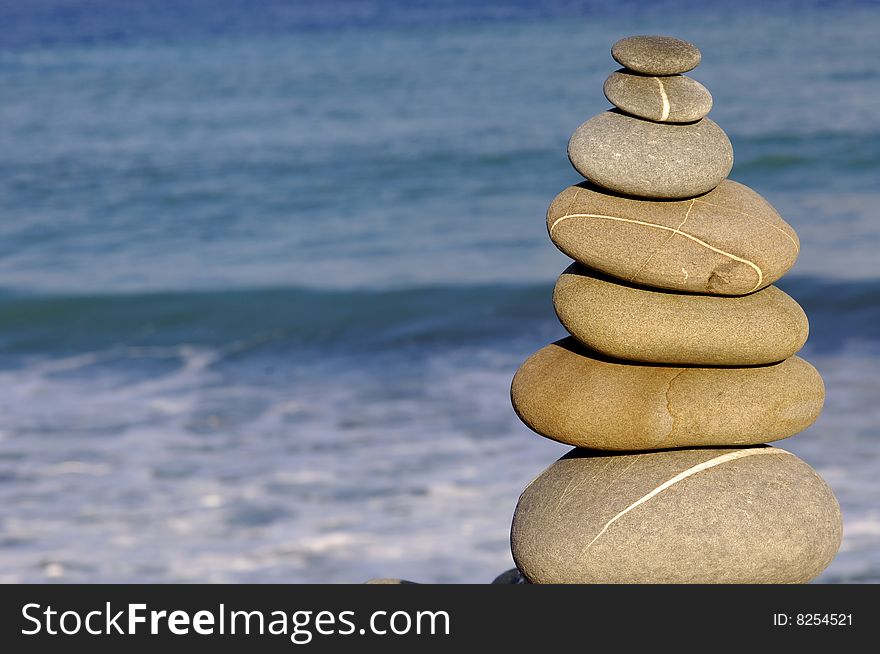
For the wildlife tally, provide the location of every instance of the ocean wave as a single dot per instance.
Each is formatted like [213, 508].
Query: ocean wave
[813, 153]
[840, 312]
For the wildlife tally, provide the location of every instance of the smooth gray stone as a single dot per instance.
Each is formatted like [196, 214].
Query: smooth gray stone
[707, 515]
[656, 55]
[651, 160]
[667, 99]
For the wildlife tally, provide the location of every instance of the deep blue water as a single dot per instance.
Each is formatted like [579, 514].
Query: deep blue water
[266, 270]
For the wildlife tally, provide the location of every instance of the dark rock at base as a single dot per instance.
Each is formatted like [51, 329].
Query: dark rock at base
[512, 576]
[389, 581]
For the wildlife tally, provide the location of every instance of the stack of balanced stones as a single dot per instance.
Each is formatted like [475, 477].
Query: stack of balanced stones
[681, 362]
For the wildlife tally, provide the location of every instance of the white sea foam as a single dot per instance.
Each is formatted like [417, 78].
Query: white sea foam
[206, 473]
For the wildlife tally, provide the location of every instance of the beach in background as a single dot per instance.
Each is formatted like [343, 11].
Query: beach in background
[267, 269]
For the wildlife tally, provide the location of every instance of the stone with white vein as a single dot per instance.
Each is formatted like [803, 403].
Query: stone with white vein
[730, 241]
[669, 99]
[696, 516]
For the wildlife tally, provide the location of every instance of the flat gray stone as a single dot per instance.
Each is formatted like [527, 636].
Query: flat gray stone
[656, 55]
[666, 99]
[638, 323]
[697, 516]
[652, 160]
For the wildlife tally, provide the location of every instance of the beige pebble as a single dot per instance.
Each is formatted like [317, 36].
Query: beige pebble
[576, 396]
[639, 323]
[730, 241]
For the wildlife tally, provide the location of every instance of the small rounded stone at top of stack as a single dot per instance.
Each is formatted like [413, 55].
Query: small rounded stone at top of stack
[656, 143]
[730, 241]
[645, 324]
[672, 99]
[656, 55]
[652, 160]
[740, 515]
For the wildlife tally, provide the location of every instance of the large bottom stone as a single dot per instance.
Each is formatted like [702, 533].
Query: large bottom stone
[748, 515]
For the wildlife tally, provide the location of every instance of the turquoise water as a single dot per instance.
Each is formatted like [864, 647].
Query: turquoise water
[266, 273]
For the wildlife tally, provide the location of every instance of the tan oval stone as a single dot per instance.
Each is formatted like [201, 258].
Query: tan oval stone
[656, 55]
[652, 160]
[729, 241]
[748, 515]
[637, 323]
[576, 396]
[670, 99]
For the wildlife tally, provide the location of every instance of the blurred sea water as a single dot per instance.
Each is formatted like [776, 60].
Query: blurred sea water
[266, 271]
